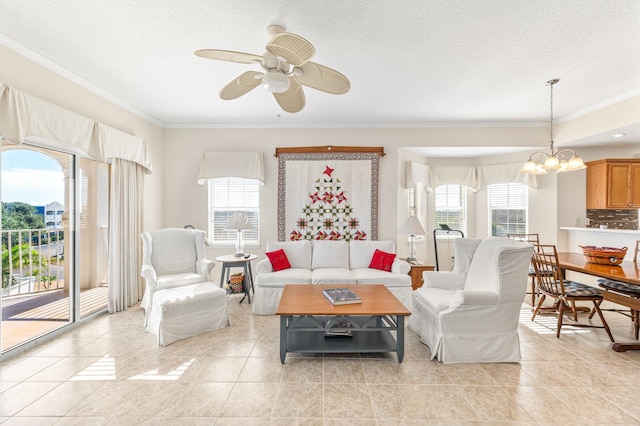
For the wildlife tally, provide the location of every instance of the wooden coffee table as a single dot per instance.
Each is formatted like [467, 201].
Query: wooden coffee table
[304, 311]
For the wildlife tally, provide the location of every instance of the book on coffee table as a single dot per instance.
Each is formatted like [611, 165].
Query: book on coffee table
[341, 296]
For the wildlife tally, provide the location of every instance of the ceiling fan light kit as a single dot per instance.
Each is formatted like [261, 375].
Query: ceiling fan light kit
[287, 67]
[541, 163]
[275, 81]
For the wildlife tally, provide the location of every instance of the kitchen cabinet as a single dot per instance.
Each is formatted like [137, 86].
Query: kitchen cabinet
[613, 184]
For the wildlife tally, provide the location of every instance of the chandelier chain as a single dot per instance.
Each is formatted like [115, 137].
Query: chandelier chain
[550, 83]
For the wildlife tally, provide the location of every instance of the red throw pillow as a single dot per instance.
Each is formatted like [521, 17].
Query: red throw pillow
[382, 260]
[278, 260]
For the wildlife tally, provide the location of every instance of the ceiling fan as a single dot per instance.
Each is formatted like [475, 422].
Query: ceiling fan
[286, 68]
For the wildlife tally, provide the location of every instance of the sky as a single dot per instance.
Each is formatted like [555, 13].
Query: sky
[31, 177]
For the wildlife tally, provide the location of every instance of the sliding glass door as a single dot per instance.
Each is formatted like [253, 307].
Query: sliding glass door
[54, 241]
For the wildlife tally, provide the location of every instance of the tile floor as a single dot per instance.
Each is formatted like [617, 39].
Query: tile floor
[109, 371]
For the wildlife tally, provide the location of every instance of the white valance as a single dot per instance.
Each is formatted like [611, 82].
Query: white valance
[417, 173]
[454, 176]
[505, 173]
[23, 116]
[246, 165]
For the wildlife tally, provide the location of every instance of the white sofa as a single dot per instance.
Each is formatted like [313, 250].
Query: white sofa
[327, 262]
[471, 314]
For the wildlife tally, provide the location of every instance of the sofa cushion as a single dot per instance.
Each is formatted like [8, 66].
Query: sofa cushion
[298, 252]
[436, 299]
[278, 259]
[361, 252]
[286, 276]
[332, 276]
[177, 280]
[382, 260]
[376, 276]
[330, 254]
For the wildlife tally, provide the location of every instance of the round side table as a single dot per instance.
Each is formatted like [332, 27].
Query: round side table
[230, 261]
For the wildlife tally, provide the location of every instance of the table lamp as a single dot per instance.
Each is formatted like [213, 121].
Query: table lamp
[412, 227]
[239, 222]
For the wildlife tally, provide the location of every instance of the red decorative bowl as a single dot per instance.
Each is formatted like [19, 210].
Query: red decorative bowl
[604, 255]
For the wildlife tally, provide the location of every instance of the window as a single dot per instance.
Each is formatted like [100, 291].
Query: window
[230, 195]
[451, 207]
[508, 205]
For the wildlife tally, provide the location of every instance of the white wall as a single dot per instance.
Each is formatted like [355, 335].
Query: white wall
[185, 202]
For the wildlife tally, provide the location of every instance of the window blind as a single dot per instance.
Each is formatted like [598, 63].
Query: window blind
[508, 205]
[450, 206]
[228, 196]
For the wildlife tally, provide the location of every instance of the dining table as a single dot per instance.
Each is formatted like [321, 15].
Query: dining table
[626, 272]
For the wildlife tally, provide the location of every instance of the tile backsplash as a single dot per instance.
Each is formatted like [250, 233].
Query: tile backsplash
[613, 219]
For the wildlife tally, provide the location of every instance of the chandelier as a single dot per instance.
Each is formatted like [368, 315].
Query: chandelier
[541, 163]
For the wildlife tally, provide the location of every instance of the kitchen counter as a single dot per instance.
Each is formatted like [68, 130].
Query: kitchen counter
[634, 232]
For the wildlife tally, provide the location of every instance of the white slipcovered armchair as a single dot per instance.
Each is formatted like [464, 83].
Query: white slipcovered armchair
[172, 257]
[471, 314]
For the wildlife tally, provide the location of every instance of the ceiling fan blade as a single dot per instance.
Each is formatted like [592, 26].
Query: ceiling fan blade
[243, 84]
[292, 100]
[323, 78]
[228, 55]
[295, 49]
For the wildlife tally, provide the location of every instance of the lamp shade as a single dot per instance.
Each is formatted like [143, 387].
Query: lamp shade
[411, 226]
[238, 221]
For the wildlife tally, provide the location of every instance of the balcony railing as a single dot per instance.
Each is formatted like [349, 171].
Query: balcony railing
[32, 261]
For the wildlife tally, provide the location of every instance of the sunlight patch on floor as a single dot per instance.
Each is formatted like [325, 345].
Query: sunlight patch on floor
[171, 375]
[101, 370]
[547, 324]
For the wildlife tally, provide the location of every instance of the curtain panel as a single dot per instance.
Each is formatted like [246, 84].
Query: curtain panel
[125, 254]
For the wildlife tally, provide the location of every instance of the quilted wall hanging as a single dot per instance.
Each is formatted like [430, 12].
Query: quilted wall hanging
[328, 193]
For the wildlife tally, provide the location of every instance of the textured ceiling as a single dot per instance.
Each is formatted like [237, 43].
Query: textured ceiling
[410, 63]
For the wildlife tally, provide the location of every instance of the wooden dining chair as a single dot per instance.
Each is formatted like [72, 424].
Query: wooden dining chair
[535, 240]
[551, 283]
[635, 253]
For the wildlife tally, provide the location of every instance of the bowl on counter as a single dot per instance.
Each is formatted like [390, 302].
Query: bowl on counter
[604, 255]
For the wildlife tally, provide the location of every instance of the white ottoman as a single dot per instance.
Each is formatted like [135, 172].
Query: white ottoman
[181, 312]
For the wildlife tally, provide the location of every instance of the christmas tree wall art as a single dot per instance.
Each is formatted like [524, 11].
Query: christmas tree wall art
[327, 196]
